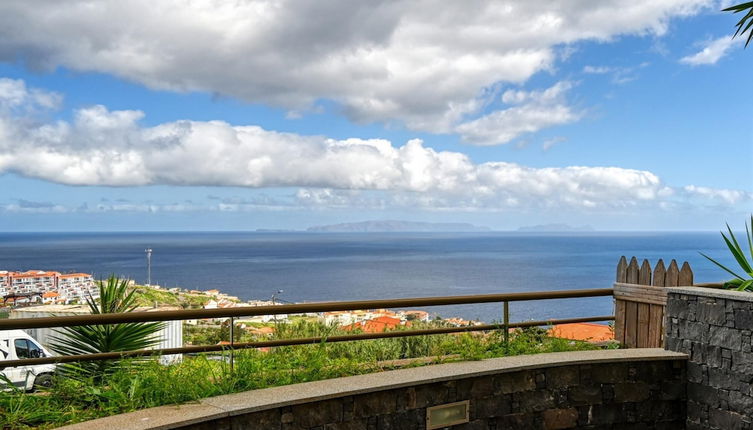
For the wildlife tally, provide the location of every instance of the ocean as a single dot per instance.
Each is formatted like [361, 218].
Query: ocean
[353, 266]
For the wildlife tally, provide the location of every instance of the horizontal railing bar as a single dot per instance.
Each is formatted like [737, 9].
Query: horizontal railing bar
[296, 308]
[288, 342]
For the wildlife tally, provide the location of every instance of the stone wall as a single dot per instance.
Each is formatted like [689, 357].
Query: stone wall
[641, 395]
[713, 327]
[626, 389]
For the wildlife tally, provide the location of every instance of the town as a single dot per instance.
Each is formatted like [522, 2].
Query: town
[40, 293]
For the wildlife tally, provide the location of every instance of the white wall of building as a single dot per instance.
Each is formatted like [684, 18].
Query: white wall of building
[171, 336]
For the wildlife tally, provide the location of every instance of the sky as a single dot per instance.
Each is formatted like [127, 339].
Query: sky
[211, 115]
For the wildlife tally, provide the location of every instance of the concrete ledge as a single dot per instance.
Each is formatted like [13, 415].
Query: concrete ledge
[168, 417]
[712, 292]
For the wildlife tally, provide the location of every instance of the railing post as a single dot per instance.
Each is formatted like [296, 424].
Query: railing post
[506, 320]
[232, 343]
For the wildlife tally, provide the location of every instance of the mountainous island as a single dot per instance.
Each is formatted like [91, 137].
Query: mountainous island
[391, 226]
[555, 228]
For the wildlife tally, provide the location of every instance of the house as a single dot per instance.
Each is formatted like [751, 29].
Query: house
[376, 325]
[50, 297]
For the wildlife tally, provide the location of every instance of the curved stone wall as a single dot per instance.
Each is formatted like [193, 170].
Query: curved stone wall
[638, 388]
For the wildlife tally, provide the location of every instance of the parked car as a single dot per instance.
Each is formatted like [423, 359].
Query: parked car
[16, 345]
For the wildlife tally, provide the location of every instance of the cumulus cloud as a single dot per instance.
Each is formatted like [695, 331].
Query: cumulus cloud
[424, 63]
[531, 111]
[14, 95]
[712, 51]
[110, 148]
[722, 195]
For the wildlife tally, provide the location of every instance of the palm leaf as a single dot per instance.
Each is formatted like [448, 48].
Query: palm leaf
[749, 236]
[722, 266]
[745, 23]
[737, 251]
[114, 297]
[745, 285]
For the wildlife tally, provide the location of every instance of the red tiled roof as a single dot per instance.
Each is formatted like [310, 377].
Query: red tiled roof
[376, 325]
[583, 331]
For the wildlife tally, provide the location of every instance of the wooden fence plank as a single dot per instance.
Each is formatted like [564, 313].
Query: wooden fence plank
[640, 300]
[655, 326]
[622, 270]
[631, 324]
[619, 321]
[671, 279]
[632, 271]
[644, 275]
[659, 273]
[686, 275]
[643, 318]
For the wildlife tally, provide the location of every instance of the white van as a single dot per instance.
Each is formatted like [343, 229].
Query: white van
[17, 345]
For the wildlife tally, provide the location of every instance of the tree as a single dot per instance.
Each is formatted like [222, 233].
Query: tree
[745, 25]
[114, 297]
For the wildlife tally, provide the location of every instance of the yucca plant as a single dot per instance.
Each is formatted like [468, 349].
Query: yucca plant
[114, 297]
[739, 282]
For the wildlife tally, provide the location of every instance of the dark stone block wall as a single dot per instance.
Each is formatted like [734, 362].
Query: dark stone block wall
[715, 332]
[623, 395]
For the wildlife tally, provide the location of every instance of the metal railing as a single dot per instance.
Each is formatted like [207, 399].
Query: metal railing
[297, 308]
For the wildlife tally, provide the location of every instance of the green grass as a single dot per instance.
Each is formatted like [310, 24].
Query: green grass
[138, 385]
[149, 296]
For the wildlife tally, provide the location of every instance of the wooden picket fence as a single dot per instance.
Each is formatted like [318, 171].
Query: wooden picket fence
[640, 298]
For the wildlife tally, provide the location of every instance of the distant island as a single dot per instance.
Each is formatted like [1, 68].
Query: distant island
[555, 228]
[387, 226]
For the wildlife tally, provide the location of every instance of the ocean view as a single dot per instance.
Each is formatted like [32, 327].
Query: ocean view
[347, 266]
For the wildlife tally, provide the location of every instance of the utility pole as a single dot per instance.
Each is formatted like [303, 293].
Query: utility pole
[273, 303]
[148, 266]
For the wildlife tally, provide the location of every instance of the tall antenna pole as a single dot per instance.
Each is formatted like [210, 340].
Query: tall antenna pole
[148, 266]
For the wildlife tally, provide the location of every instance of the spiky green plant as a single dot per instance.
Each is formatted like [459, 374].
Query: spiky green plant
[114, 297]
[739, 282]
[745, 25]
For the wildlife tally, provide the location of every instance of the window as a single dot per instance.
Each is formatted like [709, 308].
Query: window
[27, 349]
[22, 348]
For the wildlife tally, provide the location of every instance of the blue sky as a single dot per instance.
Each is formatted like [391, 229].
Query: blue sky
[253, 115]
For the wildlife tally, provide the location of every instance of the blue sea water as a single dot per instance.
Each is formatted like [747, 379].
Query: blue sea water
[345, 266]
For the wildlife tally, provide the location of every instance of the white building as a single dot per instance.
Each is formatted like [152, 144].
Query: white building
[171, 335]
[69, 287]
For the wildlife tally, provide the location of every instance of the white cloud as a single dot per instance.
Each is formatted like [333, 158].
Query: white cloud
[597, 70]
[712, 52]
[620, 75]
[549, 143]
[725, 196]
[14, 95]
[533, 111]
[425, 63]
[110, 148]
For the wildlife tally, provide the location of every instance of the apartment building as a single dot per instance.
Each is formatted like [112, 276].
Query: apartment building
[68, 287]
